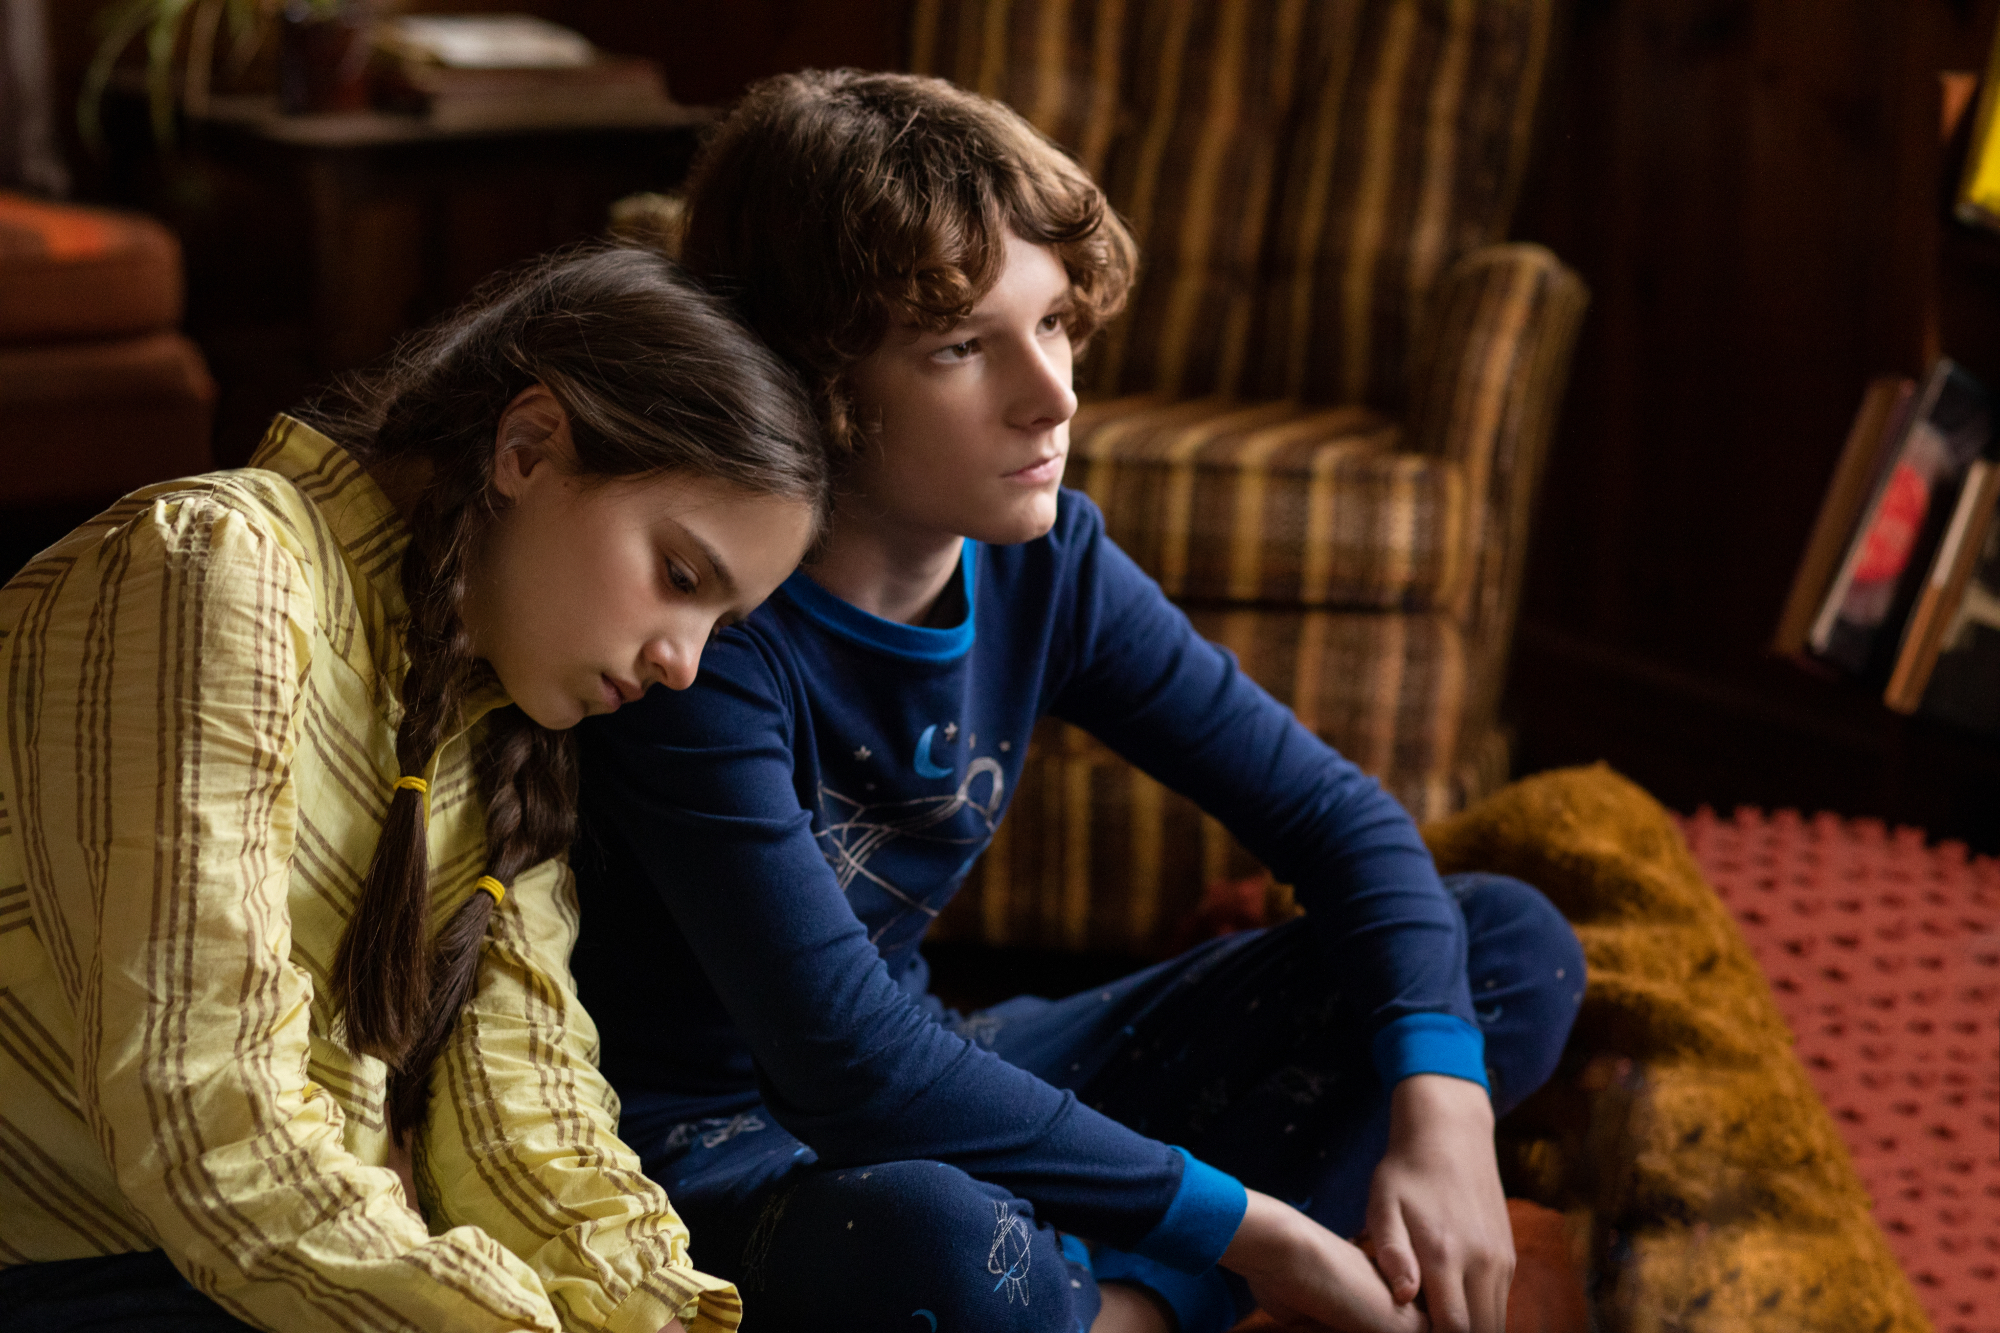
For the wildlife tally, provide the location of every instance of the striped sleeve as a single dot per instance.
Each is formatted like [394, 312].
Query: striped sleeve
[523, 1140]
[154, 710]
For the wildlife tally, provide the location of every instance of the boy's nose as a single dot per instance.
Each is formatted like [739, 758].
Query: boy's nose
[1047, 397]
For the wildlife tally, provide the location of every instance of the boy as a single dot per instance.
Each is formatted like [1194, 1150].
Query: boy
[764, 851]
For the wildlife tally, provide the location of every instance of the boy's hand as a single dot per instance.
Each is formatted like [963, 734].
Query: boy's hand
[1437, 1217]
[1305, 1277]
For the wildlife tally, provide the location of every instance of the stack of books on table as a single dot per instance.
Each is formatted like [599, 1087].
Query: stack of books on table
[507, 71]
[1900, 582]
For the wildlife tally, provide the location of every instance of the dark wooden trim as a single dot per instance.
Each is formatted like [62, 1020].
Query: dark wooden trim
[1763, 733]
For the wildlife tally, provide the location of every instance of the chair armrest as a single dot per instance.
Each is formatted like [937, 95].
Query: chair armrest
[1487, 383]
[1276, 503]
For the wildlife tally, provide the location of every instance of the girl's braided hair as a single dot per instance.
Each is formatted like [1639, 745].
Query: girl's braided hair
[655, 377]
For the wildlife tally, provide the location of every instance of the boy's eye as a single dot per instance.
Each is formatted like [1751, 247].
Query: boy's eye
[957, 351]
[1052, 323]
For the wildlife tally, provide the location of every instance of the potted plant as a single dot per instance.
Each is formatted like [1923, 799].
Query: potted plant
[322, 58]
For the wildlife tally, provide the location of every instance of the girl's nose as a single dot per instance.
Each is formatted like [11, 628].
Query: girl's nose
[675, 659]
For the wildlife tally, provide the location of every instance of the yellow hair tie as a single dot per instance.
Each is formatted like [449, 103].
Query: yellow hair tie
[420, 787]
[489, 885]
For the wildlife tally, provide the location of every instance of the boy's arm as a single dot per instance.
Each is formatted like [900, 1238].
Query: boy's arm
[691, 796]
[1139, 678]
[1134, 673]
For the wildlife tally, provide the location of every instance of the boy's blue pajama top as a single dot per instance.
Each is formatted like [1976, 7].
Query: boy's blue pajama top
[762, 853]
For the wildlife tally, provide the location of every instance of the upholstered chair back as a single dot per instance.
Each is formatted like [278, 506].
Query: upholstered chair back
[1298, 173]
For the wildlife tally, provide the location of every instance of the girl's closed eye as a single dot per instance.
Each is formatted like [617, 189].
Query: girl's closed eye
[680, 578]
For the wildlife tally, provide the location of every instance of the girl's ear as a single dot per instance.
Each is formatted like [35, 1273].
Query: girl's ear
[532, 436]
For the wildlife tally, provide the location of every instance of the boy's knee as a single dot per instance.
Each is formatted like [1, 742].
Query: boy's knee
[866, 1247]
[1527, 974]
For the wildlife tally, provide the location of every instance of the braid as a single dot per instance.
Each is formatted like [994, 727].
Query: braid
[528, 774]
[654, 378]
[382, 970]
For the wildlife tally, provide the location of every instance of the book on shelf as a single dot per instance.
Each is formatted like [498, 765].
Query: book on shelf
[1979, 187]
[1885, 408]
[1858, 626]
[1964, 685]
[1944, 590]
[471, 72]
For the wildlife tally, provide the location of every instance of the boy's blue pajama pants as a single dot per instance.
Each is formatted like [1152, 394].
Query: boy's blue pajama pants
[1242, 1051]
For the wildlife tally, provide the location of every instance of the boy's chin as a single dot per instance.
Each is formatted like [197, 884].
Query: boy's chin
[1022, 522]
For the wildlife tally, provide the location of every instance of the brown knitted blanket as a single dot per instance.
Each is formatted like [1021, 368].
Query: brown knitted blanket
[1680, 1132]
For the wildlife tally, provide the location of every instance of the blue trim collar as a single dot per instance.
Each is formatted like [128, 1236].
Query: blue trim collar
[914, 643]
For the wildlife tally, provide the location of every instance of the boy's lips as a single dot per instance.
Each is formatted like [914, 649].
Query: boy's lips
[1039, 471]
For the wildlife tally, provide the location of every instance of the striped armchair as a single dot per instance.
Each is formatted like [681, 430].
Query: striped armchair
[1321, 420]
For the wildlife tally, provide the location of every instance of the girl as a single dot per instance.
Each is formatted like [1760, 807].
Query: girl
[286, 784]
[765, 850]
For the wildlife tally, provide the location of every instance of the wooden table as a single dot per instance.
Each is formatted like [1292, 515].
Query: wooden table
[314, 242]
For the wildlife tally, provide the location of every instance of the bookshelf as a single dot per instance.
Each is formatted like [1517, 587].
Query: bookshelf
[1761, 208]
[1960, 326]
[1957, 297]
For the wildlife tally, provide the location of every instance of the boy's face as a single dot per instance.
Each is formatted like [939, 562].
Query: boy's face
[968, 430]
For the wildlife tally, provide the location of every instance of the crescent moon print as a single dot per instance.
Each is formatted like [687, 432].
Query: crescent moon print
[925, 768]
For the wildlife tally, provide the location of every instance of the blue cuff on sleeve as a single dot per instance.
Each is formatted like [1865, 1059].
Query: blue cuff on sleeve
[1430, 1044]
[1202, 1303]
[1201, 1221]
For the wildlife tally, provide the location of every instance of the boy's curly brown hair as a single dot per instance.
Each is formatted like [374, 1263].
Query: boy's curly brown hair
[833, 205]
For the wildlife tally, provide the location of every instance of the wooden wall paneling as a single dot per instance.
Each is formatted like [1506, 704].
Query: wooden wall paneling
[1826, 91]
[1722, 213]
[1750, 187]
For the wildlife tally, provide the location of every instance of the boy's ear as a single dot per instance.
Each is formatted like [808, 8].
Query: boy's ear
[532, 437]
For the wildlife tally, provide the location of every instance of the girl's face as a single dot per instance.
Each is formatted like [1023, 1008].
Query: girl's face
[968, 430]
[585, 593]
